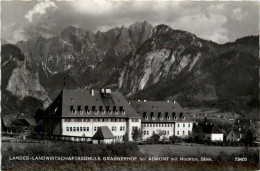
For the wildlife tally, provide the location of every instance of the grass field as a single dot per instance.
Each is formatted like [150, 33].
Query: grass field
[185, 150]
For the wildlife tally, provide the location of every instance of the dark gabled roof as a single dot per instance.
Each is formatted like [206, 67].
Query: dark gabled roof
[8, 119]
[212, 129]
[29, 119]
[237, 131]
[84, 98]
[103, 133]
[159, 108]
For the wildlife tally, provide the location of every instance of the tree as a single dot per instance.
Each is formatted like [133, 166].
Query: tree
[154, 139]
[137, 135]
[125, 137]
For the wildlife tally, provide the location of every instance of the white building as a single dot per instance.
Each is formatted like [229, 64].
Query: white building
[213, 133]
[163, 118]
[77, 115]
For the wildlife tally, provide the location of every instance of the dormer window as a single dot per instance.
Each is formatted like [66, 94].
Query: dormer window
[71, 107]
[95, 112]
[81, 112]
[107, 108]
[123, 112]
[110, 112]
[86, 108]
[93, 108]
[116, 112]
[120, 108]
[175, 118]
[183, 118]
[173, 114]
[168, 117]
[88, 112]
[181, 115]
[161, 118]
[100, 108]
[73, 111]
[152, 116]
[146, 117]
[103, 112]
[114, 108]
[79, 108]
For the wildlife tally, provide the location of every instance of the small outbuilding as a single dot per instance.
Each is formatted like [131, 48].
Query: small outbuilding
[103, 135]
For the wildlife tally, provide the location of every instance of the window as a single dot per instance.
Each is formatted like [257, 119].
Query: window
[71, 107]
[114, 108]
[95, 128]
[73, 111]
[86, 108]
[74, 128]
[77, 128]
[84, 128]
[134, 128]
[184, 125]
[144, 132]
[80, 128]
[67, 128]
[147, 132]
[120, 108]
[70, 128]
[168, 132]
[79, 108]
[188, 132]
[113, 128]
[183, 132]
[188, 125]
[177, 132]
[178, 125]
[66, 120]
[146, 117]
[87, 128]
[93, 108]
[122, 128]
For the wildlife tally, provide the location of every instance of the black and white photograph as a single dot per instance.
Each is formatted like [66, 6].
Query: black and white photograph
[129, 85]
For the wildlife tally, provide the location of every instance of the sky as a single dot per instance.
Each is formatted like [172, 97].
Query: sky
[220, 21]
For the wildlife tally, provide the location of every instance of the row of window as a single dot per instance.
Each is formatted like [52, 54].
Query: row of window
[178, 125]
[161, 118]
[80, 129]
[164, 132]
[96, 120]
[183, 133]
[81, 112]
[157, 125]
[166, 114]
[95, 108]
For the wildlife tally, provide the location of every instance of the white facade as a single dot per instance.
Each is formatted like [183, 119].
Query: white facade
[164, 129]
[86, 127]
[183, 129]
[214, 137]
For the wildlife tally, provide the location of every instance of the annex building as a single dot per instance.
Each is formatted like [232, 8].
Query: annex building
[106, 116]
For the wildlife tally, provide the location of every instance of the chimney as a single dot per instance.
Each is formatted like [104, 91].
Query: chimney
[174, 101]
[168, 101]
[138, 100]
[144, 100]
[92, 92]
[129, 102]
